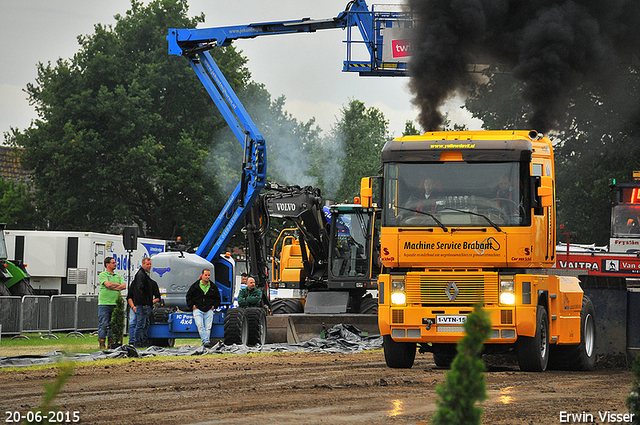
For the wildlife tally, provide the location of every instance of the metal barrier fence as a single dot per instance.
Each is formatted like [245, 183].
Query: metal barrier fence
[58, 313]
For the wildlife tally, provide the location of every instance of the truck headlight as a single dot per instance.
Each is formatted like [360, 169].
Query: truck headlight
[507, 292]
[398, 297]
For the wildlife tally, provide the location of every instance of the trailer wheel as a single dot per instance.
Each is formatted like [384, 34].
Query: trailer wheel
[4, 291]
[581, 356]
[21, 288]
[398, 355]
[533, 352]
[369, 306]
[286, 306]
[256, 325]
[444, 354]
[235, 327]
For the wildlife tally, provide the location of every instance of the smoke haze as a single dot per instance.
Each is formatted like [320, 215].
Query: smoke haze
[553, 46]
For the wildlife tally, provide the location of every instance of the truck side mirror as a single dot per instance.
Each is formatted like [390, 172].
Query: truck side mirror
[366, 192]
[545, 191]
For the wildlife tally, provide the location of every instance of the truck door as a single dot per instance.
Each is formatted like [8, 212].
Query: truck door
[98, 266]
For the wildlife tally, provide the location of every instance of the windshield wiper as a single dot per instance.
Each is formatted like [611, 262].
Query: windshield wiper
[425, 213]
[495, 226]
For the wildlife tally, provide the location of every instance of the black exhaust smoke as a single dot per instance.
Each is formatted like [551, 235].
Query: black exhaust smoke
[552, 46]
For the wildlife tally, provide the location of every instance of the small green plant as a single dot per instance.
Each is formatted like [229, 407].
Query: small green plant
[464, 384]
[117, 321]
[633, 401]
[51, 391]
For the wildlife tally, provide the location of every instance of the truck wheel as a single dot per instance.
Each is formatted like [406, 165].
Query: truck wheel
[286, 306]
[533, 352]
[369, 306]
[398, 355]
[4, 291]
[256, 326]
[444, 354]
[21, 288]
[161, 314]
[581, 356]
[235, 327]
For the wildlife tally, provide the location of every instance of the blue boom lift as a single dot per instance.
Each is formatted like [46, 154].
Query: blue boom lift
[175, 271]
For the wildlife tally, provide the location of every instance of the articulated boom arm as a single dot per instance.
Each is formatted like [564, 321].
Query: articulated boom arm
[254, 166]
[193, 44]
[371, 24]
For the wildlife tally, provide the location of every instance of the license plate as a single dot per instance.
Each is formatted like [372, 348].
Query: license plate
[451, 319]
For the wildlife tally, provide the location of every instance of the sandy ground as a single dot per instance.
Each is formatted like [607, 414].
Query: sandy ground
[307, 389]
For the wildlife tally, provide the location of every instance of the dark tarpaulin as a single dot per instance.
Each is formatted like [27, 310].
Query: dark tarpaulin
[339, 339]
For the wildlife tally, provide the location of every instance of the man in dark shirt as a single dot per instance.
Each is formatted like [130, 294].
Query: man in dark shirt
[143, 293]
[250, 296]
[202, 298]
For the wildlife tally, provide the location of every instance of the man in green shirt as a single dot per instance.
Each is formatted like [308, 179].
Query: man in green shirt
[250, 296]
[111, 283]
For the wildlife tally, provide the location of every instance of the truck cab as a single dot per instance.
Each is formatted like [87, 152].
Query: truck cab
[469, 217]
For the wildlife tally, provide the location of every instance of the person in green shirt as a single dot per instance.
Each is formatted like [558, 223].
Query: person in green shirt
[111, 283]
[250, 296]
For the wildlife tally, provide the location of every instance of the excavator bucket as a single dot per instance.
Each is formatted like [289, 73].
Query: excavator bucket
[297, 328]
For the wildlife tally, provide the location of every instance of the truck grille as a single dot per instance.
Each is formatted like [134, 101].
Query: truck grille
[431, 288]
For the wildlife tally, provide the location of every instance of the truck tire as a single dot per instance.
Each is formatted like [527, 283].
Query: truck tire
[4, 291]
[235, 327]
[398, 355]
[369, 306]
[533, 352]
[161, 314]
[286, 306]
[21, 288]
[444, 354]
[256, 326]
[581, 356]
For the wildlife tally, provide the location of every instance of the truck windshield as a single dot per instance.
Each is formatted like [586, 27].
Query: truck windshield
[456, 194]
[624, 221]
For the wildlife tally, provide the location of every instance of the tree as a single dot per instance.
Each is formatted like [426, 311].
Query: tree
[362, 133]
[124, 130]
[464, 384]
[410, 129]
[17, 205]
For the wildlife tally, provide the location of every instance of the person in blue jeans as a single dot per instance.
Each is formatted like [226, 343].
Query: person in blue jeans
[111, 283]
[202, 298]
[143, 293]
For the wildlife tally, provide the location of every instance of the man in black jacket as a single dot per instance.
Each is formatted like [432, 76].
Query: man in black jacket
[143, 293]
[202, 298]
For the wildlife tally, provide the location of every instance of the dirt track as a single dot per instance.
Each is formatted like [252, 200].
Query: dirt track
[305, 389]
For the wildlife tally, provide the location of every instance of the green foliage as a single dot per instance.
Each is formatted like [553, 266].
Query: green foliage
[17, 205]
[124, 130]
[633, 401]
[51, 391]
[117, 321]
[410, 129]
[465, 385]
[362, 132]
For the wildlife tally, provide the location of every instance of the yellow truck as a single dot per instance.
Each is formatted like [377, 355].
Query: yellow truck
[469, 217]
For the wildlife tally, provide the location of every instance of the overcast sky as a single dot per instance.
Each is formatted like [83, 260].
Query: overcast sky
[305, 68]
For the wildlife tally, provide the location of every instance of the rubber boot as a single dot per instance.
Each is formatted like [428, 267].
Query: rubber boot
[102, 344]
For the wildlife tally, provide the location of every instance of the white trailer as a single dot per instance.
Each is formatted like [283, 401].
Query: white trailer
[70, 262]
